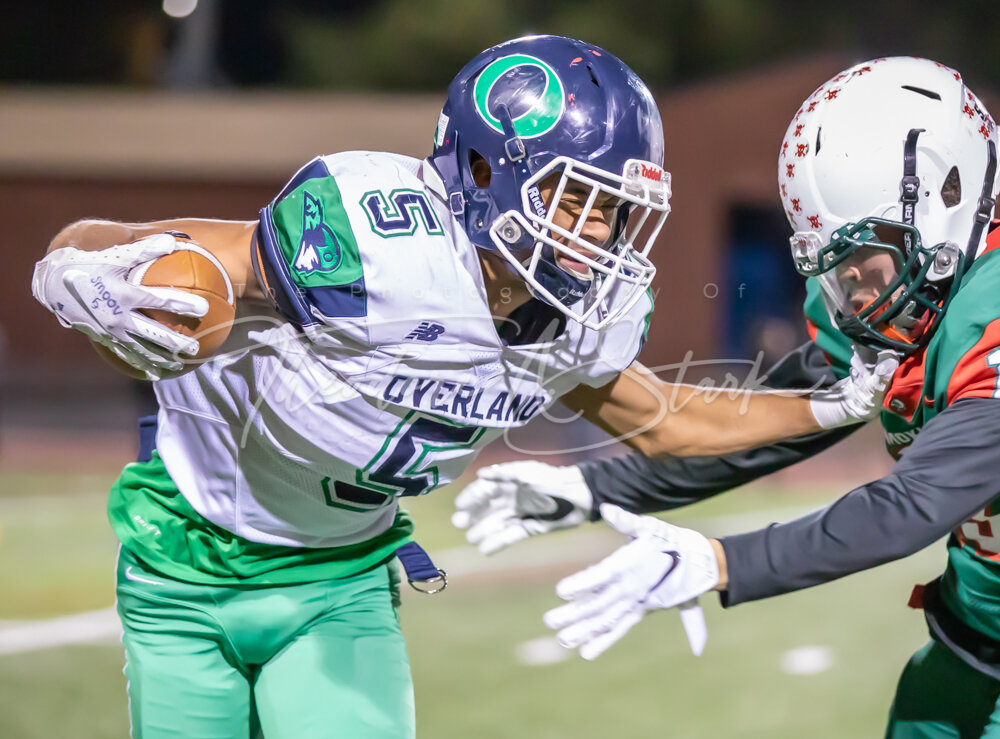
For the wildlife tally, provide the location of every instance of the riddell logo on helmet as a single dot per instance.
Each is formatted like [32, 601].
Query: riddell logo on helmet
[536, 201]
[652, 173]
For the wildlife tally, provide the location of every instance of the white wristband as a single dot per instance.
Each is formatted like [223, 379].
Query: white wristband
[828, 409]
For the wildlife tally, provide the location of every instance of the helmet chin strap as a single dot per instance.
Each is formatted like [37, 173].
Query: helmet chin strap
[565, 287]
[909, 186]
[986, 204]
[513, 147]
[909, 196]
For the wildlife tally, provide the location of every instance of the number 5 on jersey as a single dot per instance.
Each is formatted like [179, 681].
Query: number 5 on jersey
[404, 465]
[400, 213]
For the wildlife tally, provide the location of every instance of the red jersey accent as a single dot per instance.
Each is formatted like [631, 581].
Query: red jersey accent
[976, 374]
[977, 532]
[907, 387]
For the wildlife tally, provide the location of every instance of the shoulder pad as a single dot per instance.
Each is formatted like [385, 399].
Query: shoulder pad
[306, 250]
[963, 352]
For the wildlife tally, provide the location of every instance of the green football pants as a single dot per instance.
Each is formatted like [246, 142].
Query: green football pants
[941, 696]
[310, 661]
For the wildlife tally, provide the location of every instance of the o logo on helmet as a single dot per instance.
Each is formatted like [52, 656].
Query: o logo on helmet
[495, 85]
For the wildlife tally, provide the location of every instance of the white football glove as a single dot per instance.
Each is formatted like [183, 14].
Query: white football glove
[662, 567]
[512, 501]
[91, 292]
[858, 397]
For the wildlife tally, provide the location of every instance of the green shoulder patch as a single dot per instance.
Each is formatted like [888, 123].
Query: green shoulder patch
[315, 235]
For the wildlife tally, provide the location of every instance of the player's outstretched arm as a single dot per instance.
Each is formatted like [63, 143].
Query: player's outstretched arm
[947, 475]
[512, 501]
[661, 419]
[642, 484]
[84, 281]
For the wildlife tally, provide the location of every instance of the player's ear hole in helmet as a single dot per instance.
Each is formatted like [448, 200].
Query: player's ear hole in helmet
[546, 106]
[480, 169]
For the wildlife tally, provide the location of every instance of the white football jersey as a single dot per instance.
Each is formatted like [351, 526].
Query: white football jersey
[395, 377]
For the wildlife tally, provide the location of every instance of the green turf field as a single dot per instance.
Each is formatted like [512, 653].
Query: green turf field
[56, 555]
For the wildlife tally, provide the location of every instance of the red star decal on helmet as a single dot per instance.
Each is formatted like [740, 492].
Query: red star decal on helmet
[939, 65]
[799, 113]
[815, 222]
[970, 96]
[863, 69]
[958, 77]
[831, 94]
[984, 131]
[839, 77]
[796, 205]
[784, 191]
[801, 150]
[968, 110]
[790, 170]
[798, 129]
[812, 106]
[784, 148]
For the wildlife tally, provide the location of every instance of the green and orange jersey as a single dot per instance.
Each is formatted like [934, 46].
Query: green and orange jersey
[961, 361]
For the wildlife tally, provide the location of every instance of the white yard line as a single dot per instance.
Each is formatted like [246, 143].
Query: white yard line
[80, 628]
[577, 548]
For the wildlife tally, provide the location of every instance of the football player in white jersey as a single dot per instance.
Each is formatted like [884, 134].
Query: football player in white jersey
[393, 316]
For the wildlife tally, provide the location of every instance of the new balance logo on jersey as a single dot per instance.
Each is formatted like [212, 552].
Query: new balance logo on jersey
[426, 331]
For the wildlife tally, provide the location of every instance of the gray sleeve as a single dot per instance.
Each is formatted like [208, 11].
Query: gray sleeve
[644, 485]
[951, 471]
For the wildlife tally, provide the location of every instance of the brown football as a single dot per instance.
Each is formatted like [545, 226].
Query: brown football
[190, 268]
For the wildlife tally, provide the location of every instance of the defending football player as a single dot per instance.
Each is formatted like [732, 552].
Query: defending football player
[393, 316]
[888, 173]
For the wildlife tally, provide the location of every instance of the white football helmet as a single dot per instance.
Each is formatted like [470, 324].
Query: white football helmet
[888, 176]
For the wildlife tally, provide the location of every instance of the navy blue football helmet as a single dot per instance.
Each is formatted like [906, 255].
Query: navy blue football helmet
[547, 105]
